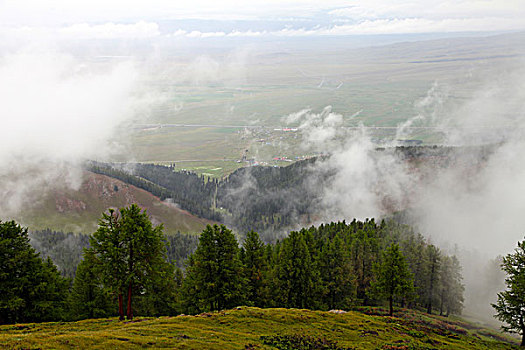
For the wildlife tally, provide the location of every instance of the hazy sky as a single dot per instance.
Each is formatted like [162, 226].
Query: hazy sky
[209, 18]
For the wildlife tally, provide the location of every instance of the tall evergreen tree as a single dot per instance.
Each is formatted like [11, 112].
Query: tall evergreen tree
[31, 290]
[107, 245]
[89, 298]
[433, 265]
[132, 252]
[392, 277]
[510, 306]
[413, 248]
[214, 278]
[337, 274]
[255, 267]
[158, 297]
[297, 275]
[364, 253]
[50, 298]
[188, 296]
[271, 256]
[450, 289]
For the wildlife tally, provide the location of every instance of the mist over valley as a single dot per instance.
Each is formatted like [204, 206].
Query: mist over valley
[338, 136]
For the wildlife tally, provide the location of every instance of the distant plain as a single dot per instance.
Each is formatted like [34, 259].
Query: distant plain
[214, 121]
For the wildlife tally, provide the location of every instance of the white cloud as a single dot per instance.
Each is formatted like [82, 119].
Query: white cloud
[419, 25]
[110, 30]
[26, 34]
[58, 12]
[69, 104]
[379, 26]
[55, 113]
[219, 34]
[432, 9]
[247, 33]
[383, 16]
[198, 34]
[138, 19]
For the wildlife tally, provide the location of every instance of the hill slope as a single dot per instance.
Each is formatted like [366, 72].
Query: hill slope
[79, 210]
[254, 328]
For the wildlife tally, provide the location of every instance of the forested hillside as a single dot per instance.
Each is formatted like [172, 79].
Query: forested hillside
[258, 198]
[253, 198]
[269, 200]
[192, 192]
[78, 209]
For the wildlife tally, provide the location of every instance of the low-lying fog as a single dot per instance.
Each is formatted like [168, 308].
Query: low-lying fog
[59, 109]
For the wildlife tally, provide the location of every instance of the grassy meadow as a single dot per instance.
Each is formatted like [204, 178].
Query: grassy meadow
[254, 328]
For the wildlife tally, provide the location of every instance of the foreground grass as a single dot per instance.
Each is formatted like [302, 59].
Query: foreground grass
[250, 328]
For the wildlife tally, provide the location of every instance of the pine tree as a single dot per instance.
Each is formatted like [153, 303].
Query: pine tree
[297, 275]
[88, 297]
[158, 297]
[451, 289]
[214, 278]
[364, 253]
[414, 250]
[188, 297]
[510, 306]
[271, 257]
[337, 274]
[131, 251]
[393, 278]
[31, 290]
[254, 265]
[433, 265]
[108, 247]
[50, 298]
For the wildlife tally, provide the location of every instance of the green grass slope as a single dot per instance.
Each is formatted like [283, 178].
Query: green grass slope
[79, 210]
[254, 328]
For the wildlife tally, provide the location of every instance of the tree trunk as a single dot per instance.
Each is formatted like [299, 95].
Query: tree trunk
[391, 304]
[120, 307]
[363, 265]
[130, 311]
[441, 304]
[522, 324]
[429, 305]
[90, 298]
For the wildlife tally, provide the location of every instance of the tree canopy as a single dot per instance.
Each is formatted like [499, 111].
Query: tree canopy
[510, 306]
[131, 252]
[393, 278]
[214, 278]
[31, 289]
[335, 265]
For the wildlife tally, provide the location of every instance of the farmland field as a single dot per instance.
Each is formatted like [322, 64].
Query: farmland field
[376, 86]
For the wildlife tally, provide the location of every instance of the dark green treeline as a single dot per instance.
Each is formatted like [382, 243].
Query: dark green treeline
[268, 200]
[334, 266]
